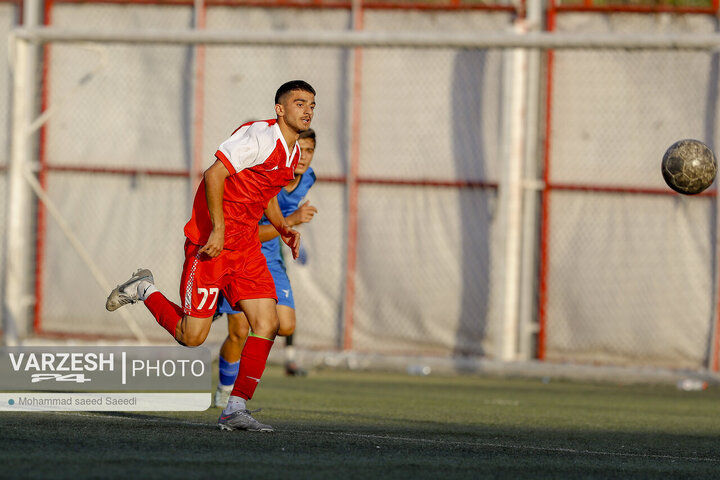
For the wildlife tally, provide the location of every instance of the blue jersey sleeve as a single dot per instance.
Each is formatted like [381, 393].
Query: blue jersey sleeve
[289, 202]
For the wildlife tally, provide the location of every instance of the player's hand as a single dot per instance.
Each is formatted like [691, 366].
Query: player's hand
[291, 238]
[303, 214]
[215, 243]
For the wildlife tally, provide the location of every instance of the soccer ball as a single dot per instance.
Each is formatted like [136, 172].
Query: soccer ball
[689, 166]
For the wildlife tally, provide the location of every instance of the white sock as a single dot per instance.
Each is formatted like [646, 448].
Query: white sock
[145, 289]
[225, 388]
[235, 403]
[289, 354]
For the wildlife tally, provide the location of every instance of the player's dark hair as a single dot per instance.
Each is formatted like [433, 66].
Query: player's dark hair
[288, 87]
[309, 133]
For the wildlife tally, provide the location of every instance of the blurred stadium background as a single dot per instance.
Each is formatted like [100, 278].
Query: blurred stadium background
[476, 201]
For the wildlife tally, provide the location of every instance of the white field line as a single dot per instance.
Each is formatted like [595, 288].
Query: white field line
[523, 447]
[136, 419]
[415, 440]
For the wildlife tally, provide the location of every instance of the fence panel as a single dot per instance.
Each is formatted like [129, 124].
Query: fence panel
[627, 270]
[630, 273]
[119, 159]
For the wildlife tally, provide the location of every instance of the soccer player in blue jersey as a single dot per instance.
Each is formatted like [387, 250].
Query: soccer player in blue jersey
[289, 200]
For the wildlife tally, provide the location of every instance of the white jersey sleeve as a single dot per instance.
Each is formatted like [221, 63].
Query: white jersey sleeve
[247, 147]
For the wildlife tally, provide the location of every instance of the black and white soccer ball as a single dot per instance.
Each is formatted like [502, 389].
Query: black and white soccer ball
[689, 166]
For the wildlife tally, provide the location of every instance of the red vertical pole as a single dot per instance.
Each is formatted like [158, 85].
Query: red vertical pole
[352, 185]
[42, 179]
[199, 101]
[20, 9]
[545, 209]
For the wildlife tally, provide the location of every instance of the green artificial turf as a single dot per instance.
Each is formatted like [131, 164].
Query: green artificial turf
[339, 424]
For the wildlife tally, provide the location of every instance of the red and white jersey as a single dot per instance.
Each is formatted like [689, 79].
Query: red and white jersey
[260, 164]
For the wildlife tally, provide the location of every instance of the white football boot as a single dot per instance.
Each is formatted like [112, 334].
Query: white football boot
[127, 292]
[242, 420]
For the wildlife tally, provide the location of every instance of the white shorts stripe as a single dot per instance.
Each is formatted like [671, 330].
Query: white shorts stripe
[188, 288]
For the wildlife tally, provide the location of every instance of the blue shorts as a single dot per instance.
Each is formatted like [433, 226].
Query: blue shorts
[282, 290]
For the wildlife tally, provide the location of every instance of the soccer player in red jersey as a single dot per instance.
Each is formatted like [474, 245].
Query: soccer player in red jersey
[222, 248]
[290, 201]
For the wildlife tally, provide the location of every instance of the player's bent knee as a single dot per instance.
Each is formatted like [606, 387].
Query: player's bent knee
[194, 340]
[286, 331]
[267, 329]
[286, 316]
[238, 337]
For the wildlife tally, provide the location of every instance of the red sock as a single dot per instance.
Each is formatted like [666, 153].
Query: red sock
[165, 312]
[252, 365]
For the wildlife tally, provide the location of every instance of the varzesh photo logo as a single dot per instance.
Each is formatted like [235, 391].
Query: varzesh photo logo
[60, 363]
[99, 378]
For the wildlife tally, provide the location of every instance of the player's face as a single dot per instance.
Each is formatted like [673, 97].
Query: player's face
[307, 150]
[296, 109]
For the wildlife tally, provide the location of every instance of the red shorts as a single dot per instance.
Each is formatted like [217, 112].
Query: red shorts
[238, 274]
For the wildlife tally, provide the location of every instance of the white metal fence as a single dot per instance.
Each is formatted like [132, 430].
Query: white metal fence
[445, 227]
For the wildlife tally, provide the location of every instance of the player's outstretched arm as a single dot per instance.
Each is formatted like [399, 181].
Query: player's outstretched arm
[303, 214]
[290, 236]
[214, 191]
